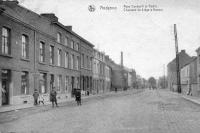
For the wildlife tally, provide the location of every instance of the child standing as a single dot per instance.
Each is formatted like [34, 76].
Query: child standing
[41, 99]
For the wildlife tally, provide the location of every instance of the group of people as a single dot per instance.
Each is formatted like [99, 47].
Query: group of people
[38, 98]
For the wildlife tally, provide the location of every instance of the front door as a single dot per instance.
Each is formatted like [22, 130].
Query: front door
[5, 81]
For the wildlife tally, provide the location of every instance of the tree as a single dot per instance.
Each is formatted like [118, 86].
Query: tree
[152, 82]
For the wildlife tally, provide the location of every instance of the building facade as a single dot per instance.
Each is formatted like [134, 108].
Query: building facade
[198, 68]
[98, 72]
[37, 52]
[86, 51]
[107, 74]
[184, 59]
[189, 78]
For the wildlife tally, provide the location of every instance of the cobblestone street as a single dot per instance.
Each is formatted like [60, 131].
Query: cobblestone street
[150, 111]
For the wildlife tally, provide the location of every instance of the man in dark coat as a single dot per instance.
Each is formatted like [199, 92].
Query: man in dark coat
[53, 98]
[35, 96]
[78, 96]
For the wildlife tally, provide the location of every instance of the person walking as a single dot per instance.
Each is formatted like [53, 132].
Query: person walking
[53, 98]
[78, 96]
[35, 96]
[41, 99]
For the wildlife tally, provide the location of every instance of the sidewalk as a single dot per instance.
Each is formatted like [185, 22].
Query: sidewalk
[25, 106]
[193, 99]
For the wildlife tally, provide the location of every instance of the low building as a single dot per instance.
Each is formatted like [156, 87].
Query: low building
[184, 59]
[189, 77]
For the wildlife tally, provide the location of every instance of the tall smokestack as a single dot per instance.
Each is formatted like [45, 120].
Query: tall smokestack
[122, 59]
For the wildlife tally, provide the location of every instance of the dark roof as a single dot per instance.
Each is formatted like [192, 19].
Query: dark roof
[9, 8]
[72, 32]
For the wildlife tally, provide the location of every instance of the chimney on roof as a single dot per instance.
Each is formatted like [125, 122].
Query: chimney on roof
[51, 16]
[69, 27]
[183, 51]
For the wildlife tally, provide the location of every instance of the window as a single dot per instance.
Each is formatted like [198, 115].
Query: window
[78, 82]
[51, 50]
[42, 52]
[72, 61]
[51, 81]
[58, 37]
[25, 46]
[90, 62]
[76, 46]
[66, 60]
[42, 83]
[5, 40]
[66, 41]
[77, 63]
[59, 57]
[66, 83]
[24, 83]
[72, 44]
[59, 82]
[82, 60]
[75, 82]
[99, 55]
[87, 60]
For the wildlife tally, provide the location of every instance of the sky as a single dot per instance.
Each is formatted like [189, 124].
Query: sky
[146, 38]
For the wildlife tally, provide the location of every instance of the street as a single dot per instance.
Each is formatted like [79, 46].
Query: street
[149, 111]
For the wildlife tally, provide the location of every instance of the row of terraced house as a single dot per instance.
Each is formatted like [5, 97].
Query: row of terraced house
[39, 52]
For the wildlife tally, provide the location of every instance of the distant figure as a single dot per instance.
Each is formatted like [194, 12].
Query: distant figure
[35, 96]
[190, 90]
[3, 94]
[53, 98]
[115, 89]
[78, 96]
[41, 99]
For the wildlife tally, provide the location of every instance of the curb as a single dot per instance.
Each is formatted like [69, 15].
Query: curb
[188, 98]
[191, 100]
[63, 103]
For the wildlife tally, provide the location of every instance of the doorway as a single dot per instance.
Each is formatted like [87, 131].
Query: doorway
[5, 82]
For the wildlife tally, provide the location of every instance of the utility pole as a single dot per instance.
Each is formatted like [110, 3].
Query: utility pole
[164, 75]
[177, 61]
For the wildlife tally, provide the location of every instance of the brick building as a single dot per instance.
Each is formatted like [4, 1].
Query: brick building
[86, 50]
[189, 77]
[37, 52]
[107, 74]
[198, 68]
[184, 59]
[98, 72]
